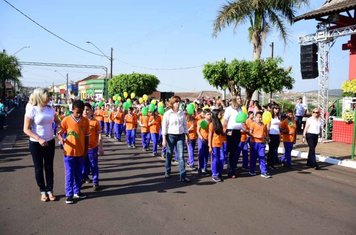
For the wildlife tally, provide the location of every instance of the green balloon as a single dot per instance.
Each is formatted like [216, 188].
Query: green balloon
[190, 109]
[100, 104]
[161, 110]
[117, 103]
[144, 111]
[93, 104]
[126, 106]
[203, 124]
[151, 108]
[241, 117]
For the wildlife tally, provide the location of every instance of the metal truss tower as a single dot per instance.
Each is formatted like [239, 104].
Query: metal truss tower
[325, 37]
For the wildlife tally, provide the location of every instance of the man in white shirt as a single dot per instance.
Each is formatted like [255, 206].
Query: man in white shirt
[233, 134]
[299, 114]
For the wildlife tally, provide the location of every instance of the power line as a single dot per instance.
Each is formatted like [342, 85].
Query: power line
[80, 48]
[57, 36]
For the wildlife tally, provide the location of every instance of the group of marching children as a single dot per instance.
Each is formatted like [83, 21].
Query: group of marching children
[80, 135]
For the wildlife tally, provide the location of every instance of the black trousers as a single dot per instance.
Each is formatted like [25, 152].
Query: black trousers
[43, 161]
[272, 156]
[232, 141]
[312, 140]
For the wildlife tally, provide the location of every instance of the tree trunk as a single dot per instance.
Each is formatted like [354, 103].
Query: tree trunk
[257, 45]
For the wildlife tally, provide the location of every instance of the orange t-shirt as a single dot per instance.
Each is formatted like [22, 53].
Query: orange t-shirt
[203, 132]
[288, 126]
[111, 116]
[156, 124]
[192, 127]
[258, 130]
[106, 114]
[131, 121]
[95, 130]
[99, 115]
[76, 131]
[144, 122]
[119, 117]
[217, 140]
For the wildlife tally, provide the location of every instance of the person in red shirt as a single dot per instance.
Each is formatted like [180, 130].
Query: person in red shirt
[154, 124]
[258, 132]
[215, 141]
[130, 123]
[95, 148]
[75, 146]
[288, 131]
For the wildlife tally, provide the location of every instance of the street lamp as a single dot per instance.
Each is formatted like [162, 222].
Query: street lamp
[21, 49]
[65, 77]
[107, 57]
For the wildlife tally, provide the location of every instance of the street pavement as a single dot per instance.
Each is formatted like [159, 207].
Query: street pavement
[136, 199]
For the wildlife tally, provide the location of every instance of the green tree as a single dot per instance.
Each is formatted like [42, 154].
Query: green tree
[217, 76]
[9, 71]
[262, 15]
[256, 75]
[136, 82]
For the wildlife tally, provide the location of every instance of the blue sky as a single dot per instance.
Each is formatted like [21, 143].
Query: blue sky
[155, 34]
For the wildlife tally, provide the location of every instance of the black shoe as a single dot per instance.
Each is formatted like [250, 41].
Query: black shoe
[80, 196]
[317, 167]
[96, 187]
[185, 180]
[69, 200]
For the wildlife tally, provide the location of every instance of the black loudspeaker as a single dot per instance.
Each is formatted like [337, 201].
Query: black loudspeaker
[309, 61]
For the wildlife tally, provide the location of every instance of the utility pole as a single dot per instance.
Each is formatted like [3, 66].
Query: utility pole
[67, 91]
[111, 61]
[272, 56]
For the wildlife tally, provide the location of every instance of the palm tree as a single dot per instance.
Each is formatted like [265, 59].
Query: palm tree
[9, 71]
[263, 15]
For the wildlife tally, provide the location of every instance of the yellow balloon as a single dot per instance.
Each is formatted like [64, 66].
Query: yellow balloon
[114, 98]
[118, 98]
[133, 95]
[125, 94]
[244, 109]
[140, 100]
[154, 102]
[145, 97]
[266, 117]
[161, 104]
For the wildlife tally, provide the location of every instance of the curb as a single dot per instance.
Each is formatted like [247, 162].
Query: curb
[327, 159]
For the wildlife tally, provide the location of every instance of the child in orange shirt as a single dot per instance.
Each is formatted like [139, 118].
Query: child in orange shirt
[203, 147]
[106, 115]
[193, 136]
[216, 140]
[258, 132]
[119, 115]
[145, 132]
[244, 141]
[130, 123]
[154, 124]
[75, 145]
[100, 117]
[95, 148]
[288, 131]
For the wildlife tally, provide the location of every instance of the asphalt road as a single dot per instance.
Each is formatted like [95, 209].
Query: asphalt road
[136, 199]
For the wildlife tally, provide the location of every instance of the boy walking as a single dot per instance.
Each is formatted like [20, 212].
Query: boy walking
[75, 145]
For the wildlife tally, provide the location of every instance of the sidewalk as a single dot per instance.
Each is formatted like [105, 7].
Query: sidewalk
[330, 152]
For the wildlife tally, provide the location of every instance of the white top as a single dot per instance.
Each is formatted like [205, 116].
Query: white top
[174, 123]
[314, 125]
[299, 109]
[42, 121]
[274, 128]
[230, 116]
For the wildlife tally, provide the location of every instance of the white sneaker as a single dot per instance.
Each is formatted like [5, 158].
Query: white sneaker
[266, 176]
